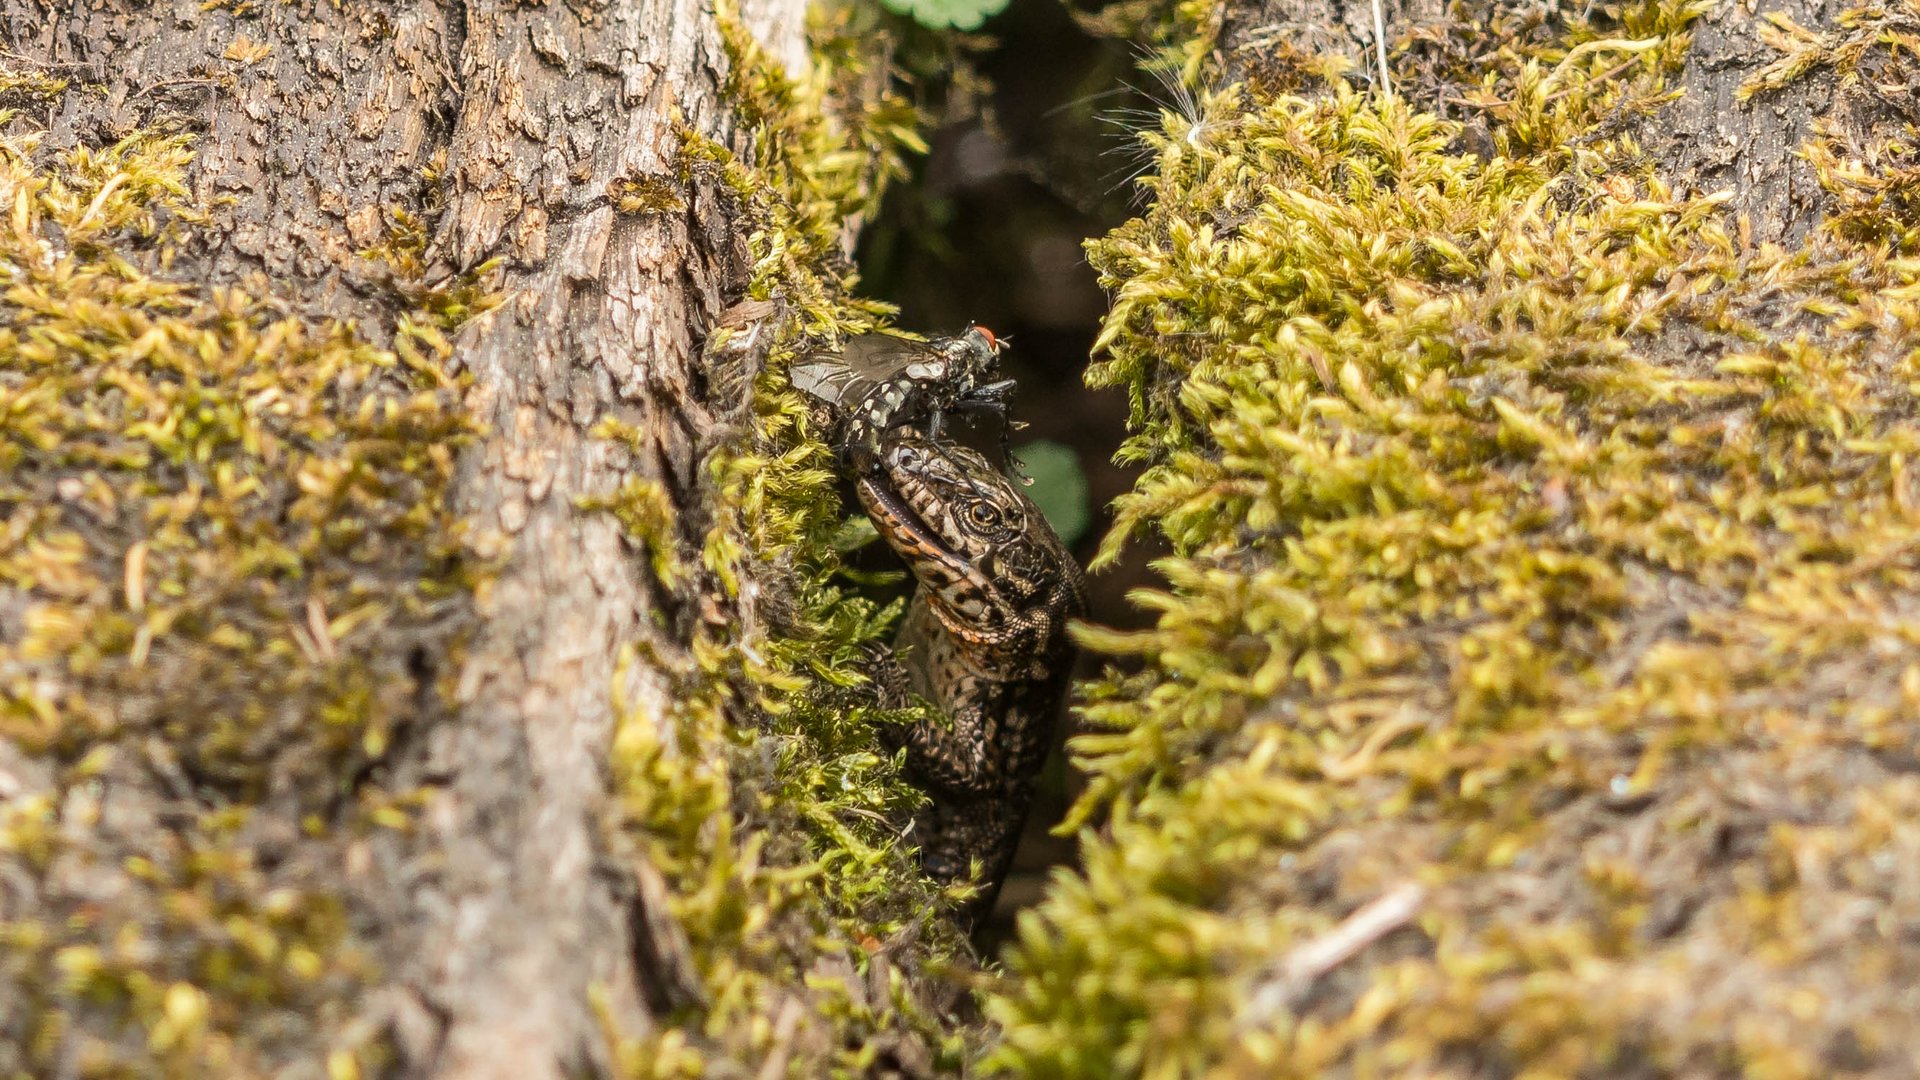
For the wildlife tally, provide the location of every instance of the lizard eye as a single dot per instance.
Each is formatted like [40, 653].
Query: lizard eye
[983, 515]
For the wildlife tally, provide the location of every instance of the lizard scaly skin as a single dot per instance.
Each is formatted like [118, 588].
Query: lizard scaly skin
[985, 640]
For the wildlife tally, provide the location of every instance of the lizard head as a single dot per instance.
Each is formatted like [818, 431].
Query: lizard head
[983, 552]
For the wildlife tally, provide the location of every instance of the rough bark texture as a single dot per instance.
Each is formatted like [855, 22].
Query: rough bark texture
[1710, 139]
[317, 118]
[602, 319]
[492, 918]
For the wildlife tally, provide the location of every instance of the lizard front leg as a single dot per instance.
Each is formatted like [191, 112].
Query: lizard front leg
[955, 751]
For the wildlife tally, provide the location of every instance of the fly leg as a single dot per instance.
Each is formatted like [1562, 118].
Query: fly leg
[995, 398]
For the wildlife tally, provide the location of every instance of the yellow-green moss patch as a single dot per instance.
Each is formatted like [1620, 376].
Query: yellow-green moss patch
[1542, 551]
[227, 574]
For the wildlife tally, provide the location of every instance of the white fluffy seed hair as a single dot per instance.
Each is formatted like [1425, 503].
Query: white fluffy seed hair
[1175, 109]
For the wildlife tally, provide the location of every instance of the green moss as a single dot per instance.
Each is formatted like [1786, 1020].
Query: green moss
[1527, 523]
[643, 508]
[647, 195]
[20, 89]
[223, 534]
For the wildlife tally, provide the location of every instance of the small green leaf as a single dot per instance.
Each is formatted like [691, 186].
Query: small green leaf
[940, 14]
[1059, 486]
[854, 533]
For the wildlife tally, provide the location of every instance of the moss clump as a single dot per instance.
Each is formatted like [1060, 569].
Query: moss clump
[227, 567]
[647, 195]
[1539, 544]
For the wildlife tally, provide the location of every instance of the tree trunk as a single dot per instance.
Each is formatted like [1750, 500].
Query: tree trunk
[490, 915]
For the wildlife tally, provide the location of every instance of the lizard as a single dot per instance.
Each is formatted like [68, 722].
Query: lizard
[984, 640]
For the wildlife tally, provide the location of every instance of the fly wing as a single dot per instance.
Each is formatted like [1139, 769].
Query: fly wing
[881, 357]
[866, 362]
[826, 378]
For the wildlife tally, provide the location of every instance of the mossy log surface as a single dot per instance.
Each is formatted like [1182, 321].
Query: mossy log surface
[1536, 688]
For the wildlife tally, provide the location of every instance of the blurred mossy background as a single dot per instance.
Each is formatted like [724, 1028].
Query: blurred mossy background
[1525, 685]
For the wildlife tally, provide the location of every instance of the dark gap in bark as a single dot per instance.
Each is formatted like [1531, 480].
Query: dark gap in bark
[989, 231]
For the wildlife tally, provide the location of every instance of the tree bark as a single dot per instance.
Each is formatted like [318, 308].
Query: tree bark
[497, 919]
[1713, 138]
[602, 321]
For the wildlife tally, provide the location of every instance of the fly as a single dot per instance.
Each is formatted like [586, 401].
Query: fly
[876, 382]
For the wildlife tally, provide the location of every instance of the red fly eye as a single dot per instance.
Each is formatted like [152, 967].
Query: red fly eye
[992, 342]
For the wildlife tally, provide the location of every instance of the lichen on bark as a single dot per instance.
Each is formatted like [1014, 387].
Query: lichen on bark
[1532, 692]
